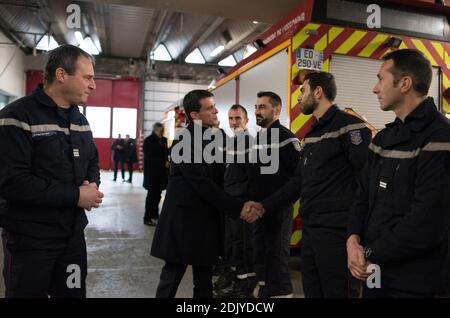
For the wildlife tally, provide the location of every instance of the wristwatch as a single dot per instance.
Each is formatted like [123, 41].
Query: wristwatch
[368, 254]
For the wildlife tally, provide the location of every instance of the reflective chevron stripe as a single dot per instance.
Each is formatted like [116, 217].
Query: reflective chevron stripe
[404, 154]
[335, 134]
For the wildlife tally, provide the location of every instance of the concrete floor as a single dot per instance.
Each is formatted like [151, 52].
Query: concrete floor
[119, 261]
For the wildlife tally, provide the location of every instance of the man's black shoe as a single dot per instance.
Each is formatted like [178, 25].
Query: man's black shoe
[149, 223]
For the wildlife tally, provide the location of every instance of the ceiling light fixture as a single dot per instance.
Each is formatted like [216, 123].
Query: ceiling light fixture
[249, 50]
[79, 37]
[228, 61]
[217, 50]
[195, 57]
[161, 53]
[89, 46]
[47, 43]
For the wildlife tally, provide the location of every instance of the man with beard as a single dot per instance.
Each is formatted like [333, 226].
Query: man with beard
[325, 180]
[272, 232]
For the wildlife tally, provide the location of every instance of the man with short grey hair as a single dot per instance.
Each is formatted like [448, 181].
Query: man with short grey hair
[49, 176]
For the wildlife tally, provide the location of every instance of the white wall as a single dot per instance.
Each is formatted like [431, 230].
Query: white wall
[35, 62]
[159, 96]
[12, 69]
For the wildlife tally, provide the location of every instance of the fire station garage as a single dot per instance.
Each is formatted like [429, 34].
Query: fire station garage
[224, 149]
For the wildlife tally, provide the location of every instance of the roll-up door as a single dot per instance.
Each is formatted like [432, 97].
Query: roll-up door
[355, 79]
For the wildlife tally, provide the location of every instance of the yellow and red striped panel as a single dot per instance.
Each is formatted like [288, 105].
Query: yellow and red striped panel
[352, 42]
[446, 77]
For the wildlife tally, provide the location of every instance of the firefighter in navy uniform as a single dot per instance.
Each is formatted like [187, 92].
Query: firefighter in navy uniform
[272, 233]
[242, 280]
[48, 175]
[335, 151]
[400, 221]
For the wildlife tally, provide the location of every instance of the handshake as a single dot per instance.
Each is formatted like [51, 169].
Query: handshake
[251, 211]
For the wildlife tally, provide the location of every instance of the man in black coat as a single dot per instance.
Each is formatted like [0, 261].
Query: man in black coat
[400, 220]
[155, 171]
[117, 148]
[189, 228]
[130, 155]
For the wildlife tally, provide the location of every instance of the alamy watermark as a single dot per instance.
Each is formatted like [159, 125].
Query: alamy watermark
[212, 145]
[374, 279]
[73, 20]
[374, 19]
[74, 279]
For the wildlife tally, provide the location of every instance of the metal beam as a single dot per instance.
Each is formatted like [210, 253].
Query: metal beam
[210, 26]
[113, 67]
[239, 43]
[165, 29]
[152, 32]
[11, 36]
[24, 5]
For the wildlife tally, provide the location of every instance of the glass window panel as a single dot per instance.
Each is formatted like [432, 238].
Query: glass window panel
[124, 122]
[100, 121]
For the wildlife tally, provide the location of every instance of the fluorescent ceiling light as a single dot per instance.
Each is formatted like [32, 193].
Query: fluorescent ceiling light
[79, 37]
[249, 50]
[89, 46]
[195, 57]
[161, 53]
[217, 50]
[255, 22]
[228, 61]
[47, 44]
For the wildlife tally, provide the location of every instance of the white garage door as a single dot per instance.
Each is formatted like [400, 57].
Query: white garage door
[269, 75]
[225, 97]
[355, 79]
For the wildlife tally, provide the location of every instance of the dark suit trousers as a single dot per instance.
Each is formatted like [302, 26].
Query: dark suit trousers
[122, 168]
[172, 274]
[38, 268]
[152, 203]
[272, 236]
[324, 263]
[130, 170]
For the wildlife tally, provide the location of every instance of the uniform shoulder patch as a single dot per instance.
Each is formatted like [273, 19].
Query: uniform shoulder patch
[355, 137]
